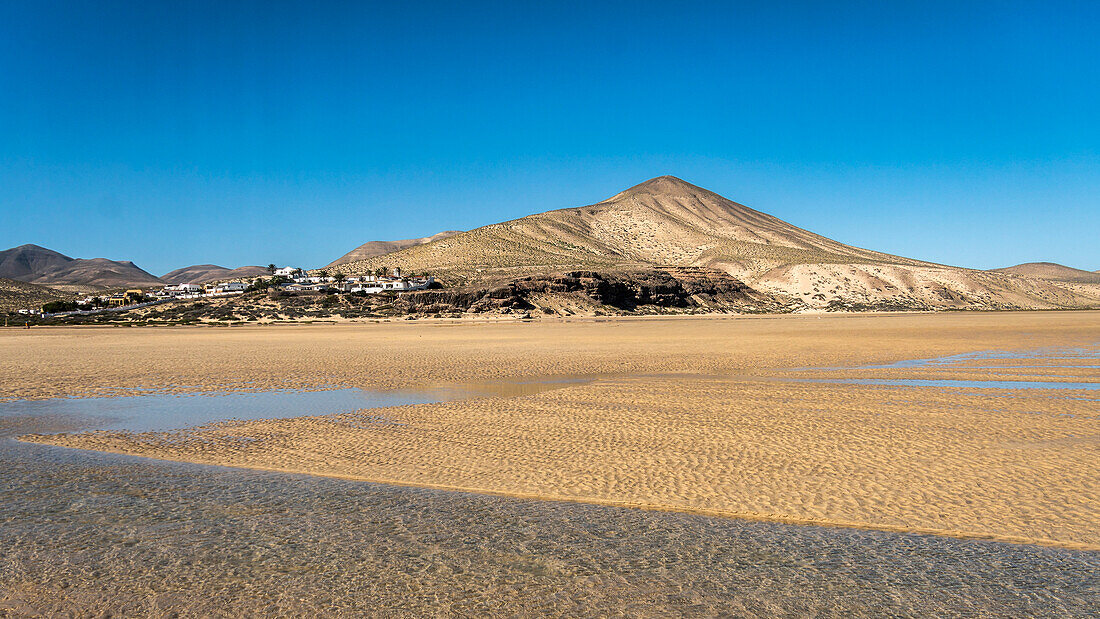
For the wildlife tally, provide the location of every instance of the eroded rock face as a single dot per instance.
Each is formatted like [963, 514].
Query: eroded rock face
[643, 291]
[627, 291]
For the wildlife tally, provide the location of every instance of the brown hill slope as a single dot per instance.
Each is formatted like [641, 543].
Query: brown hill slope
[379, 248]
[204, 273]
[663, 221]
[38, 265]
[96, 273]
[668, 222]
[1051, 270]
[16, 295]
[29, 261]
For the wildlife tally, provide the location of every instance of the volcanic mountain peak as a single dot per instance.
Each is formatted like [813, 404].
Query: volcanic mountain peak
[669, 186]
[663, 221]
[667, 222]
[26, 261]
[38, 265]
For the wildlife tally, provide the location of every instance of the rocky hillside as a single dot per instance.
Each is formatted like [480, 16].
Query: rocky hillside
[17, 295]
[667, 222]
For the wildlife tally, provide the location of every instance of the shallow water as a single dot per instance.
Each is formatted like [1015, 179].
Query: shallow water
[93, 533]
[169, 411]
[938, 382]
[1047, 355]
[1061, 365]
[100, 532]
[154, 412]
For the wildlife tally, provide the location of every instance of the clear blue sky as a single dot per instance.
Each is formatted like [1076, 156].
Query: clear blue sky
[173, 133]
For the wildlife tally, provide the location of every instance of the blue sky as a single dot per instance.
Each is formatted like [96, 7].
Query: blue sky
[247, 133]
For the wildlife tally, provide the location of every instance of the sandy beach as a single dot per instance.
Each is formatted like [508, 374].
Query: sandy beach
[685, 414]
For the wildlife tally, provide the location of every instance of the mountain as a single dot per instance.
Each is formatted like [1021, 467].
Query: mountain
[26, 262]
[204, 273]
[38, 265]
[15, 295]
[667, 222]
[379, 248]
[1051, 270]
[664, 221]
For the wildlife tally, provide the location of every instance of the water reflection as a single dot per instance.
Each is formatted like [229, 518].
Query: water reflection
[937, 382]
[101, 533]
[169, 411]
[93, 534]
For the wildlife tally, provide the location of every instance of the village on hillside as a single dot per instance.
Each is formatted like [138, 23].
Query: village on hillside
[298, 280]
[283, 281]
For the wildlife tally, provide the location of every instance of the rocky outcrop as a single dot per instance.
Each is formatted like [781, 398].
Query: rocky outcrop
[679, 288]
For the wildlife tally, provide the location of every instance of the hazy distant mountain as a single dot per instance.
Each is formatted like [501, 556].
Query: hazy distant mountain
[668, 222]
[203, 273]
[1051, 270]
[38, 265]
[16, 295]
[380, 248]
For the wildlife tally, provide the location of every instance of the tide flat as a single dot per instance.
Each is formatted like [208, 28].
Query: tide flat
[672, 420]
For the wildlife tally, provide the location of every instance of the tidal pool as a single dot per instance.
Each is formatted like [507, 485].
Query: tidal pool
[967, 384]
[170, 411]
[102, 534]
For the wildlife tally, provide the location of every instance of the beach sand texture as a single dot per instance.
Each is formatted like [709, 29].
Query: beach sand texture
[684, 414]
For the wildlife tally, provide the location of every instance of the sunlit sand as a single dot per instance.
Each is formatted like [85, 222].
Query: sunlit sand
[693, 414]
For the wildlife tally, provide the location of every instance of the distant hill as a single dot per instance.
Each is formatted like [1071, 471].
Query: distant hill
[27, 262]
[667, 222]
[38, 265]
[16, 295]
[1051, 270]
[204, 273]
[379, 248]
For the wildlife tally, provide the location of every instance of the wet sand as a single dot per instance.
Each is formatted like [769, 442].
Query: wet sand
[684, 414]
[75, 361]
[91, 534]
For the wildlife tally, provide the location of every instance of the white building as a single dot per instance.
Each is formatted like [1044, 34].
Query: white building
[393, 285]
[288, 271]
[229, 287]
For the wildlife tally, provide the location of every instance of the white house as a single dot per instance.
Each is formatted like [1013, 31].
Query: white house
[229, 287]
[288, 271]
[395, 285]
[183, 289]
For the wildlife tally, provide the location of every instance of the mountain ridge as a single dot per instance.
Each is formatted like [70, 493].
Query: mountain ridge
[38, 265]
[205, 273]
[371, 249]
[1050, 270]
[668, 222]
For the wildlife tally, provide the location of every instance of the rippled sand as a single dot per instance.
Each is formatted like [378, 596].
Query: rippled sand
[86, 534]
[49, 362]
[684, 414]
